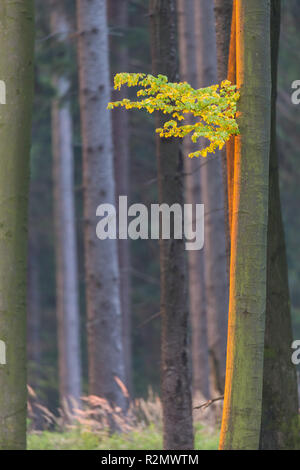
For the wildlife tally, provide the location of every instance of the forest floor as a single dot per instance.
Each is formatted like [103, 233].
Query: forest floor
[148, 439]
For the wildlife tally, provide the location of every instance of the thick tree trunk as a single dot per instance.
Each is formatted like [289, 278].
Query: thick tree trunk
[188, 71]
[244, 378]
[216, 279]
[16, 70]
[176, 390]
[104, 328]
[118, 14]
[280, 398]
[67, 299]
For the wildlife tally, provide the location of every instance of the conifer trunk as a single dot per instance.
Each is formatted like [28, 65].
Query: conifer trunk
[248, 274]
[16, 70]
[67, 298]
[212, 193]
[188, 71]
[230, 146]
[223, 16]
[175, 374]
[104, 322]
[280, 428]
[118, 14]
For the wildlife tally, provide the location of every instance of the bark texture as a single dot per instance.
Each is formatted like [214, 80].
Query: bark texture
[230, 146]
[67, 298]
[279, 428]
[104, 328]
[16, 70]
[118, 14]
[188, 71]
[244, 376]
[223, 15]
[216, 278]
[176, 392]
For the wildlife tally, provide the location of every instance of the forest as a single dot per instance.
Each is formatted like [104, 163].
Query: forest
[149, 224]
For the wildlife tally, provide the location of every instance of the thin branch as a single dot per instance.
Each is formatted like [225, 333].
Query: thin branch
[208, 403]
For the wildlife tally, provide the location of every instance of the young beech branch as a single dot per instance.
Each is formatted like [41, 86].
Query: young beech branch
[213, 108]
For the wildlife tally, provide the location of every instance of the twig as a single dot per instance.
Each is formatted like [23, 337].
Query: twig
[208, 403]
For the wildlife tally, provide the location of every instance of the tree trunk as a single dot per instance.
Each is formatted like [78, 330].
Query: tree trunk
[230, 146]
[176, 392]
[216, 279]
[118, 14]
[16, 70]
[34, 313]
[67, 299]
[223, 15]
[34, 322]
[244, 378]
[280, 398]
[192, 167]
[104, 328]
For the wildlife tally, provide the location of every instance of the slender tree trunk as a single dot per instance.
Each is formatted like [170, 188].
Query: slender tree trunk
[244, 379]
[16, 70]
[34, 324]
[118, 14]
[104, 328]
[67, 299]
[216, 279]
[280, 399]
[176, 392]
[230, 146]
[223, 15]
[34, 314]
[188, 71]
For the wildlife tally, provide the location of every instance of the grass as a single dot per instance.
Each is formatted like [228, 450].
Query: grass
[147, 439]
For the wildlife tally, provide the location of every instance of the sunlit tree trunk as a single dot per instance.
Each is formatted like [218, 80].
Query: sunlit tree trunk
[118, 14]
[67, 298]
[248, 274]
[16, 70]
[104, 322]
[216, 279]
[280, 399]
[176, 389]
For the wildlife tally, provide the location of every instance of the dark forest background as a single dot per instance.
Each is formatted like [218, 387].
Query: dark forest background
[43, 368]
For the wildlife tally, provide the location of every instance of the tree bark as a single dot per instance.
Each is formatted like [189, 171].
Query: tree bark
[67, 298]
[279, 428]
[104, 328]
[223, 15]
[244, 377]
[192, 167]
[118, 14]
[216, 279]
[176, 392]
[230, 146]
[16, 70]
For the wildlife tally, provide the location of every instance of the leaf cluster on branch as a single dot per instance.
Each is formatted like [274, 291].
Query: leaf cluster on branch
[213, 108]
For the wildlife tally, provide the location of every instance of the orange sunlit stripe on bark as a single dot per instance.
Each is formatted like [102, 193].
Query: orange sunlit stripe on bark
[231, 170]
